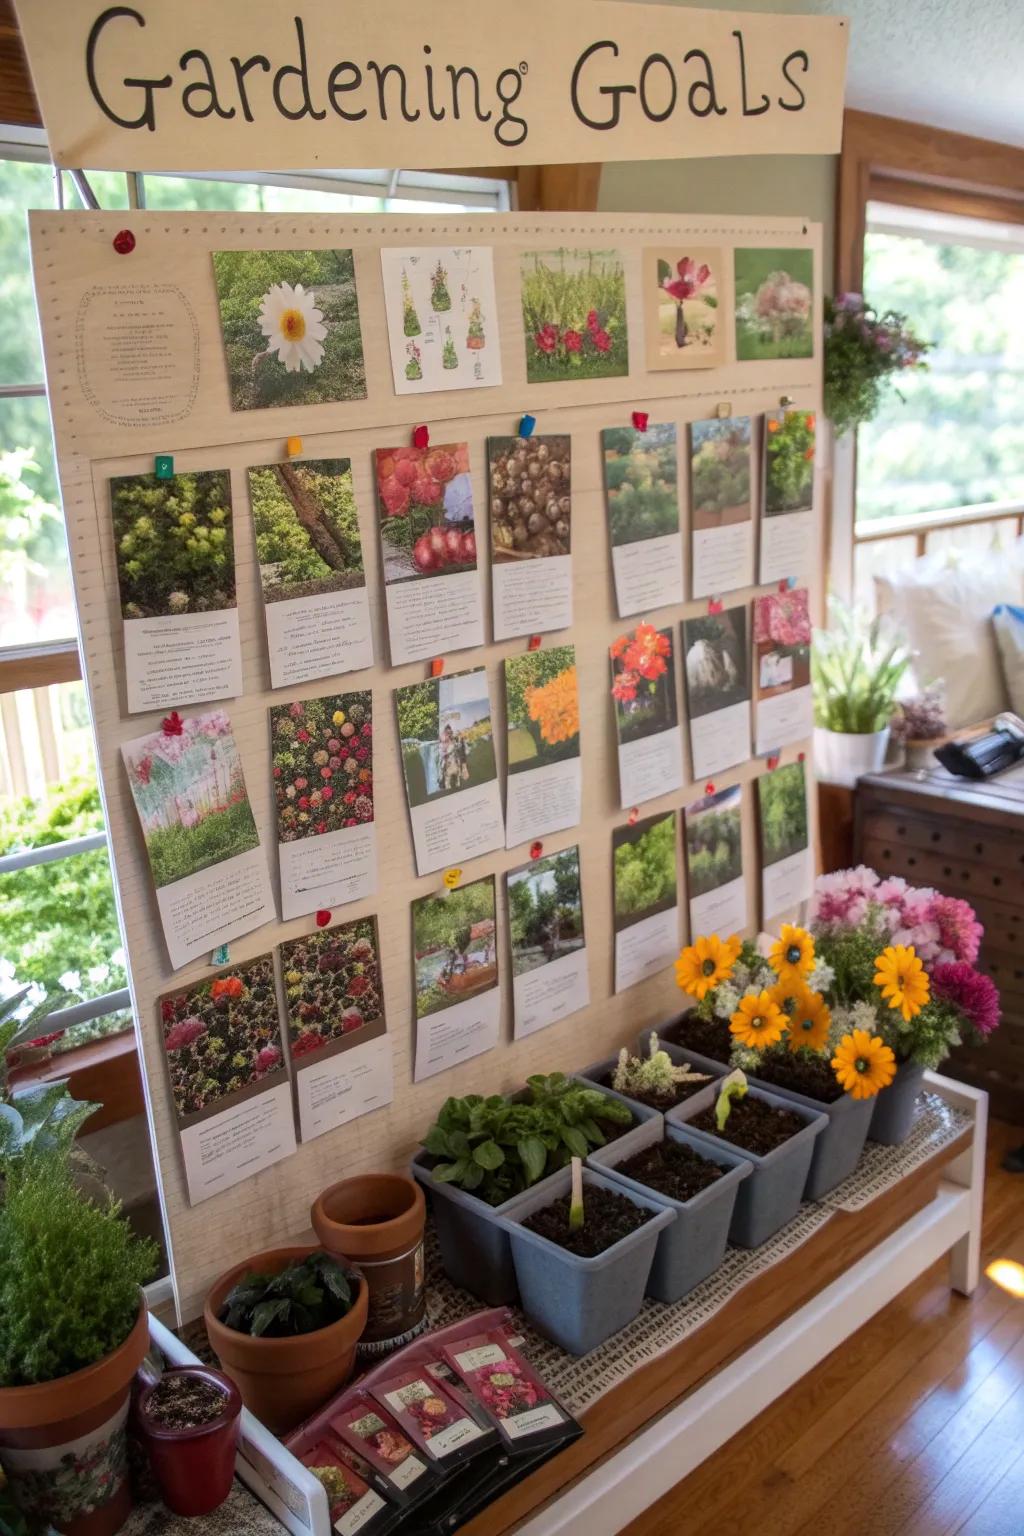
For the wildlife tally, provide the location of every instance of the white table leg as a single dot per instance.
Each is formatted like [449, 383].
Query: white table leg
[968, 1171]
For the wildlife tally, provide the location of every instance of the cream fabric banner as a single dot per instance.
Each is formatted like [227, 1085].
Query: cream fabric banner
[247, 84]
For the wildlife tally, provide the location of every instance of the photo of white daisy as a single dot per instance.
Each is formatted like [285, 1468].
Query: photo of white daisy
[290, 321]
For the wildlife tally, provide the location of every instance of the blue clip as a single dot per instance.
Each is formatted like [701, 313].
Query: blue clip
[790, 583]
[163, 466]
[526, 425]
[221, 955]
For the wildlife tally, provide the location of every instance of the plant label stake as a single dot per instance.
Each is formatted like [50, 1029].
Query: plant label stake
[576, 1201]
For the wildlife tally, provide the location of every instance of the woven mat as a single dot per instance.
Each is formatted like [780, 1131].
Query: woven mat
[242, 1515]
[659, 1327]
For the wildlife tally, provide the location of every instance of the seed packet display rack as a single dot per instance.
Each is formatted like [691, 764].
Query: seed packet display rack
[116, 406]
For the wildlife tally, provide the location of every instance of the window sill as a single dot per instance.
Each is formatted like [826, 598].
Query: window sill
[105, 1071]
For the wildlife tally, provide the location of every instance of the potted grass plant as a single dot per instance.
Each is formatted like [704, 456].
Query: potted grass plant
[856, 671]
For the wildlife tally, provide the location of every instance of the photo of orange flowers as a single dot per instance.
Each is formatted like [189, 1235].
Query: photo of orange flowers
[644, 683]
[542, 708]
[788, 463]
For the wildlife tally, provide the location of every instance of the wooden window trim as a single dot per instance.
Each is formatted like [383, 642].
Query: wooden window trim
[104, 1071]
[38, 666]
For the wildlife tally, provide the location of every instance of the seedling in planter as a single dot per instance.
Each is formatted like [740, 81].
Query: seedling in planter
[576, 1204]
[656, 1077]
[733, 1087]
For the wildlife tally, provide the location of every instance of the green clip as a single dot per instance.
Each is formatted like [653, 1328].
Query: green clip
[163, 466]
[220, 955]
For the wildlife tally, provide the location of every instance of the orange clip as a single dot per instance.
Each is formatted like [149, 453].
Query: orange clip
[293, 447]
[533, 644]
[437, 666]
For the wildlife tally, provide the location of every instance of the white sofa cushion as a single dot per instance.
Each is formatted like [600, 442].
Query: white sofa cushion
[1008, 621]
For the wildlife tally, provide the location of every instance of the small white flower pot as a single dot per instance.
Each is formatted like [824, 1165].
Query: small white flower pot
[841, 757]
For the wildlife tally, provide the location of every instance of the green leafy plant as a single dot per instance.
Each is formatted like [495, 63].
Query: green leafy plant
[856, 669]
[306, 1295]
[38, 1119]
[496, 1147]
[654, 1074]
[863, 349]
[732, 1088]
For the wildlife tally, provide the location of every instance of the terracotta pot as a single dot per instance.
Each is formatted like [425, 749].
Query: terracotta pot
[282, 1381]
[63, 1446]
[376, 1221]
[194, 1468]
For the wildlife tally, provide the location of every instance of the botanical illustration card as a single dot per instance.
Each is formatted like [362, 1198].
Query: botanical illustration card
[442, 318]
[311, 569]
[290, 321]
[721, 511]
[175, 551]
[542, 712]
[451, 782]
[574, 315]
[783, 710]
[684, 290]
[643, 690]
[201, 840]
[787, 873]
[787, 527]
[229, 1080]
[641, 481]
[428, 547]
[337, 1037]
[717, 649]
[323, 789]
[550, 979]
[714, 863]
[646, 898]
[530, 481]
[774, 291]
[455, 976]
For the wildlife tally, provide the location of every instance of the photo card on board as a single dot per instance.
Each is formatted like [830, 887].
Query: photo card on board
[717, 654]
[641, 480]
[455, 976]
[684, 296]
[721, 507]
[715, 882]
[574, 315]
[530, 483]
[645, 881]
[550, 978]
[643, 694]
[787, 871]
[787, 524]
[783, 706]
[542, 716]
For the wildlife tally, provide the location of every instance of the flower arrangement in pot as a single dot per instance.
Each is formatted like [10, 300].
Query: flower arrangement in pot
[856, 670]
[864, 350]
[188, 1420]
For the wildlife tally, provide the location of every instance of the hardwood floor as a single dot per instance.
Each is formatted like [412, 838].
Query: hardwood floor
[914, 1427]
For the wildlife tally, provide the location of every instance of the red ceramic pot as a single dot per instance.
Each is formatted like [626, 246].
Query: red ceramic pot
[194, 1468]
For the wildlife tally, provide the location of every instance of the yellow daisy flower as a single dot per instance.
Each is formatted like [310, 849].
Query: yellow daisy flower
[758, 1021]
[810, 1020]
[902, 980]
[704, 964]
[863, 1064]
[791, 957]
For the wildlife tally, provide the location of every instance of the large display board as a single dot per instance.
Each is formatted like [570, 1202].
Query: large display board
[137, 368]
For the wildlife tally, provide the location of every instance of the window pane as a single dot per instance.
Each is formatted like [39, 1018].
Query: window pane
[959, 438]
[193, 193]
[35, 583]
[22, 186]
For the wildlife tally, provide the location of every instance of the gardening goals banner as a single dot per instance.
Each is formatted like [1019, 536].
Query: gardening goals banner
[154, 87]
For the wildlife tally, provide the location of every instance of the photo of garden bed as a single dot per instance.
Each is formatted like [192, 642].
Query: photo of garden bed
[714, 841]
[174, 543]
[720, 472]
[322, 764]
[545, 910]
[789, 463]
[574, 315]
[454, 946]
[641, 481]
[222, 1037]
[782, 801]
[332, 985]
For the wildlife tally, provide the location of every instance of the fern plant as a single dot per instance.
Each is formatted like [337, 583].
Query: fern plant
[856, 670]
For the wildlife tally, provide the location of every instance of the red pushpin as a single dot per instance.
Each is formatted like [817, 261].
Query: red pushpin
[536, 849]
[437, 666]
[123, 242]
[172, 724]
[533, 644]
[709, 788]
[800, 756]
[714, 605]
[772, 760]
[633, 816]
[420, 437]
[784, 584]
[640, 420]
[323, 917]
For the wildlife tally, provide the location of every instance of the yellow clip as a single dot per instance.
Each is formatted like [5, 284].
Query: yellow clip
[293, 447]
[452, 878]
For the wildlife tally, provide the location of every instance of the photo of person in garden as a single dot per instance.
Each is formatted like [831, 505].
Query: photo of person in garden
[306, 526]
[322, 764]
[774, 304]
[574, 315]
[644, 869]
[290, 321]
[789, 463]
[641, 482]
[643, 683]
[717, 660]
[782, 804]
[542, 708]
[189, 790]
[545, 910]
[222, 1038]
[174, 543]
[454, 944]
[782, 642]
[714, 841]
[681, 308]
[445, 729]
[720, 472]
[332, 986]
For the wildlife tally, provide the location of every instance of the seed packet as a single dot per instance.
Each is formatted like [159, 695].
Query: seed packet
[440, 1423]
[373, 1434]
[525, 1411]
[355, 1508]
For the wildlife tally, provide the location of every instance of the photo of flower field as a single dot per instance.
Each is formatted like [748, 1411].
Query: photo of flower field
[782, 804]
[189, 790]
[789, 463]
[307, 529]
[774, 304]
[425, 504]
[574, 315]
[542, 708]
[782, 642]
[454, 946]
[322, 764]
[174, 543]
[643, 687]
[290, 322]
[445, 729]
[641, 481]
[222, 1036]
[682, 308]
[714, 841]
[644, 869]
[332, 985]
[720, 472]
[545, 910]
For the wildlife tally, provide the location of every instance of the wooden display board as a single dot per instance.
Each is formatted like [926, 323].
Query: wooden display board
[106, 425]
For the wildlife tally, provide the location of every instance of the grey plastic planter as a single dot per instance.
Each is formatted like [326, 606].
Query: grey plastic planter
[837, 1150]
[894, 1107]
[581, 1302]
[692, 1248]
[474, 1245]
[771, 1196]
[599, 1069]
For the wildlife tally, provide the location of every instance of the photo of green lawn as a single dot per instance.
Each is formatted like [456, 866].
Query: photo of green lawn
[714, 841]
[774, 304]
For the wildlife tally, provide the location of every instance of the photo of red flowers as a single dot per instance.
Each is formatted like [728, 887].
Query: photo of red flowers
[332, 985]
[644, 683]
[322, 764]
[683, 294]
[425, 502]
[574, 315]
[222, 1037]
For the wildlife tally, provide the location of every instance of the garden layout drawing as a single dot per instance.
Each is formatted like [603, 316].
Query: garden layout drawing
[442, 318]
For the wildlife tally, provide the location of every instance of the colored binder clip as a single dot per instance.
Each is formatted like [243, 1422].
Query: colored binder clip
[293, 447]
[772, 760]
[640, 420]
[420, 437]
[163, 466]
[709, 788]
[714, 605]
[437, 666]
[536, 849]
[723, 410]
[451, 878]
[526, 425]
[221, 955]
[172, 724]
[533, 644]
[323, 917]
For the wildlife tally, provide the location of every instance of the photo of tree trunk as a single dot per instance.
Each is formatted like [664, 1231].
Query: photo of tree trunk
[307, 529]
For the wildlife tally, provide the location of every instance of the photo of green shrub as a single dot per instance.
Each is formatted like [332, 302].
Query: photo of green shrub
[290, 321]
[574, 315]
[714, 841]
[542, 707]
[720, 472]
[454, 946]
[174, 543]
[789, 463]
[306, 526]
[782, 803]
[644, 869]
[641, 481]
[774, 304]
[545, 910]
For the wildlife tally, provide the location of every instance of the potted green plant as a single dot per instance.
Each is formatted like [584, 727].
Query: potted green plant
[284, 1326]
[655, 1077]
[856, 670]
[188, 1421]
[863, 350]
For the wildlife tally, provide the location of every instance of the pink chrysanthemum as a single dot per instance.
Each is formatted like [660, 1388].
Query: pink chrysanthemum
[841, 899]
[959, 929]
[968, 990]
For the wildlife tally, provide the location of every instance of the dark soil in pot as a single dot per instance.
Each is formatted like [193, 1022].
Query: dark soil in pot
[753, 1125]
[609, 1217]
[708, 1037]
[662, 1101]
[672, 1169]
[185, 1402]
[812, 1075]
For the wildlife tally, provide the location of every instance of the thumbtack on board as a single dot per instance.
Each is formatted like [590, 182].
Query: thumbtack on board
[421, 437]
[536, 849]
[451, 878]
[640, 420]
[293, 447]
[709, 788]
[633, 817]
[323, 917]
[785, 400]
[526, 425]
[123, 242]
[163, 466]
[533, 644]
[172, 724]
[800, 757]
[437, 666]
[714, 605]
[772, 759]
[221, 955]
[723, 409]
